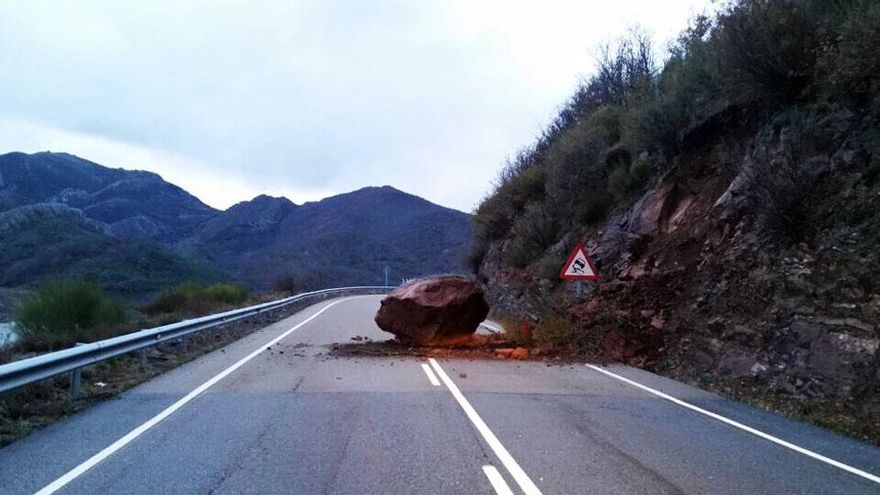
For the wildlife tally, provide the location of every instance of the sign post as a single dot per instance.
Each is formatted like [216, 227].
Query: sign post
[579, 267]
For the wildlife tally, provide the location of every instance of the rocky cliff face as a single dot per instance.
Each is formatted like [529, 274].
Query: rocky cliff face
[715, 270]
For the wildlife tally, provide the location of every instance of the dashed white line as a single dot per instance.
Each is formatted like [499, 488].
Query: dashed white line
[133, 434]
[431, 377]
[522, 479]
[497, 481]
[778, 441]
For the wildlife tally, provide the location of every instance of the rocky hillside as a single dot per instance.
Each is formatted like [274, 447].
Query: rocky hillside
[130, 204]
[62, 216]
[51, 240]
[729, 200]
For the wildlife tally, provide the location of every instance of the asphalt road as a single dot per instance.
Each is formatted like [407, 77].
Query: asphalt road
[288, 418]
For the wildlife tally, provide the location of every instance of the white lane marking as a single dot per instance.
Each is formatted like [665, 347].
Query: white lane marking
[497, 481]
[431, 377]
[779, 441]
[520, 476]
[125, 440]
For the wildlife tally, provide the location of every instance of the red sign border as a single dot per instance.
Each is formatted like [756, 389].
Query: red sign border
[594, 276]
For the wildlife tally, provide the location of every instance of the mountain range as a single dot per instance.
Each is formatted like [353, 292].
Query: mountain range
[133, 232]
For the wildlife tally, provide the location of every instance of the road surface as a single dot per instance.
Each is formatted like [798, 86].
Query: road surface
[288, 418]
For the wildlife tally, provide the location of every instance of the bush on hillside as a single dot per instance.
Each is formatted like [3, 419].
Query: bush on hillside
[766, 50]
[849, 63]
[193, 298]
[575, 172]
[626, 179]
[287, 284]
[227, 293]
[535, 230]
[782, 189]
[623, 67]
[62, 313]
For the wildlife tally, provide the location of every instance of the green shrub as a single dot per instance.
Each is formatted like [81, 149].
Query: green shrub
[593, 208]
[782, 189]
[766, 50]
[513, 191]
[193, 298]
[555, 331]
[657, 124]
[549, 266]
[533, 232]
[287, 284]
[624, 66]
[850, 63]
[605, 123]
[227, 293]
[576, 174]
[62, 313]
[473, 259]
[626, 179]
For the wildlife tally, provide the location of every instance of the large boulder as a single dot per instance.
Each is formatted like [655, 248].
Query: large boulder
[433, 310]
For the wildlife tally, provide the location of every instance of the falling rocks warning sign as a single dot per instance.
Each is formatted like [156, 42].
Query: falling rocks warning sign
[579, 266]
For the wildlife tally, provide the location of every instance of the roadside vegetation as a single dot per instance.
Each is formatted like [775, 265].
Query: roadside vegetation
[194, 299]
[286, 285]
[62, 313]
[625, 122]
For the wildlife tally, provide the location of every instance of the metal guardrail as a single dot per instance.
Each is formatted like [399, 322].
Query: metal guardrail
[26, 371]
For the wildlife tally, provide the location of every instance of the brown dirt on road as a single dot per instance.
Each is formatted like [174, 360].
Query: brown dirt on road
[492, 346]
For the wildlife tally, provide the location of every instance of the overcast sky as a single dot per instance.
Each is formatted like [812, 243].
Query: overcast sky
[305, 99]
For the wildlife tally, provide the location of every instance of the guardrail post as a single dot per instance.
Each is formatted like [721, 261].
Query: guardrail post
[184, 344]
[76, 379]
[142, 358]
[75, 383]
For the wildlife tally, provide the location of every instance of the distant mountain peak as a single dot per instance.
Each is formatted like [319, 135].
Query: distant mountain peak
[264, 199]
[344, 239]
[131, 203]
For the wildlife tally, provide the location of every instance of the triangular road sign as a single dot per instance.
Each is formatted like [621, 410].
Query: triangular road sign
[579, 266]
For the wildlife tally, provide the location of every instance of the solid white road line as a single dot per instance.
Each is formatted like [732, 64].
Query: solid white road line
[497, 481]
[778, 441]
[520, 476]
[431, 377]
[125, 440]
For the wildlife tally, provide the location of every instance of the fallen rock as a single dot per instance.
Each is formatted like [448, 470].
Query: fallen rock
[504, 352]
[433, 310]
[736, 365]
[520, 353]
